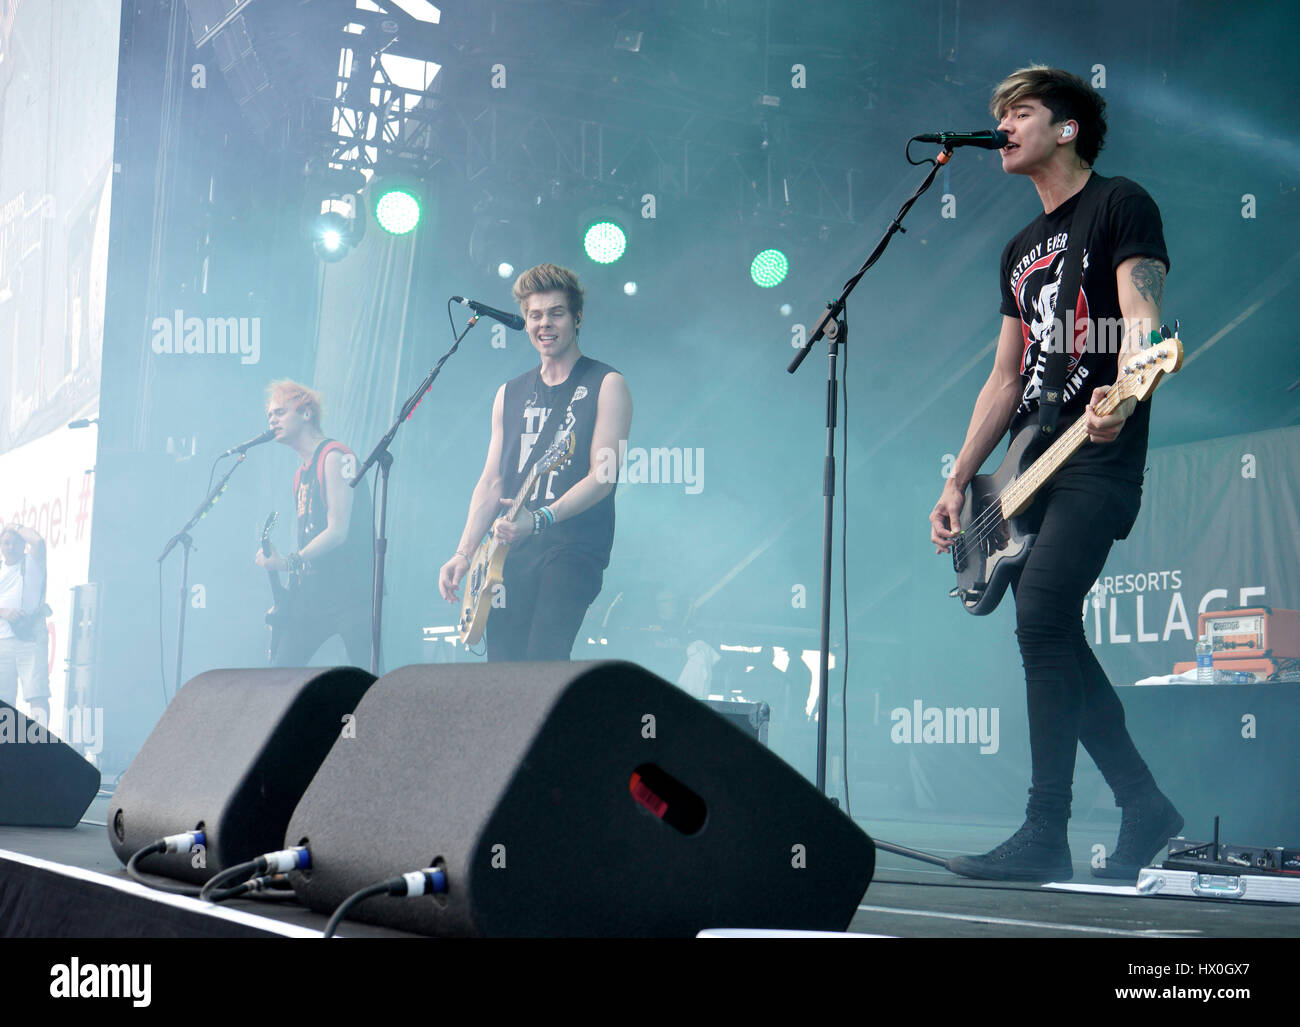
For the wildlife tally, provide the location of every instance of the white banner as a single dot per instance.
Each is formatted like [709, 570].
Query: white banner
[49, 485]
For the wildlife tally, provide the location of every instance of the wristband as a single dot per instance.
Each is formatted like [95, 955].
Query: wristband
[539, 522]
[549, 514]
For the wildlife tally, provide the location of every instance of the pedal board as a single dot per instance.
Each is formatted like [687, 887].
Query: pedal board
[1208, 870]
[1210, 857]
[1190, 884]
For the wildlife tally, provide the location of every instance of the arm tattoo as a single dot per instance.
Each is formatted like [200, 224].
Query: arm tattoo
[1149, 278]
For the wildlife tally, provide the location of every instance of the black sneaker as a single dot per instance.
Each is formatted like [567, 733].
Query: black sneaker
[1039, 851]
[1145, 829]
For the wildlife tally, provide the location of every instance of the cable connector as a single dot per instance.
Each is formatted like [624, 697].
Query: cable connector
[183, 842]
[297, 858]
[281, 862]
[171, 843]
[264, 883]
[430, 881]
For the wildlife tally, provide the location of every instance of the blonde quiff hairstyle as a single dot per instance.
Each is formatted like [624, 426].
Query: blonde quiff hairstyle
[289, 393]
[1066, 95]
[550, 278]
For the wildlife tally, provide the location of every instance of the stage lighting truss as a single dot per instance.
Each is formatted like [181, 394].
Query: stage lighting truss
[504, 238]
[383, 89]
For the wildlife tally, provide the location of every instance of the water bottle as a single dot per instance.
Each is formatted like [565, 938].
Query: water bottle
[1204, 661]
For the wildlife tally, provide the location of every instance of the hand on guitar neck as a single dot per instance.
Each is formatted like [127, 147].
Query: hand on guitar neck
[1106, 427]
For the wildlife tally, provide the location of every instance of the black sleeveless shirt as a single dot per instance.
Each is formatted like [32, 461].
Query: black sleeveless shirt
[341, 578]
[525, 407]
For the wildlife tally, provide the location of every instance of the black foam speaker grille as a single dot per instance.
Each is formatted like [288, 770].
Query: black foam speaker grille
[234, 751]
[44, 782]
[570, 799]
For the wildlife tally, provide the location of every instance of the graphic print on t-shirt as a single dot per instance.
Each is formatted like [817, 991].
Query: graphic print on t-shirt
[1036, 284]
[534, 419]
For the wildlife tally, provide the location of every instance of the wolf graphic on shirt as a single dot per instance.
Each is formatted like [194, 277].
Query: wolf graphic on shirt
[1036, 292]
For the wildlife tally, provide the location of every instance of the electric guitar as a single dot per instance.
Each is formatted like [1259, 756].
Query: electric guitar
[993, 544]
[485, 570]
[278, 615]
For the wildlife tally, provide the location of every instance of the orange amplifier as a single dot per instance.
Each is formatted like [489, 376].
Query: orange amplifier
[1252, 634]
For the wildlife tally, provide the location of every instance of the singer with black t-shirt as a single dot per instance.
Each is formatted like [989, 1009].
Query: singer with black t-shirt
[330, 573]
[561, 538]
[1055, 126]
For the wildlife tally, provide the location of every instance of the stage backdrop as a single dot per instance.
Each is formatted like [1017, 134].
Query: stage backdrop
[1219, 530]
[58, 74]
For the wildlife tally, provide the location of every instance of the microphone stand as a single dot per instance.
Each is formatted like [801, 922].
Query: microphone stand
[183, 539]
[833, 326]
[380, 455]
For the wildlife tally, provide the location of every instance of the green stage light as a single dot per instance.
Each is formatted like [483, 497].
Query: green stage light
[769, 269]
[397, 209]
[604, 241]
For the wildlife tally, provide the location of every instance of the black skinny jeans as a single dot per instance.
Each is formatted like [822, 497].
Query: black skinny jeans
[546, 599]
[312, 627]
[1069, 697]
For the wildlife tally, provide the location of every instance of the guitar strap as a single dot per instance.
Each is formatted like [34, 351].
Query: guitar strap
[326, 447]
[563, 401]
[1061, 341]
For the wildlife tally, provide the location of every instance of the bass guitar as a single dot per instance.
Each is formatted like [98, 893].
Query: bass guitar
[281, 597]
[485, 570]
[994, 544]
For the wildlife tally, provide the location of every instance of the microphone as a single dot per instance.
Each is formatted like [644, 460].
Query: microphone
[266, 436]
[986, 140]
[509, 320]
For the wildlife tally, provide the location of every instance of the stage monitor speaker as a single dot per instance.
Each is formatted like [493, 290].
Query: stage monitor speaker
[44, 782]
[233, 753]
[570, 799]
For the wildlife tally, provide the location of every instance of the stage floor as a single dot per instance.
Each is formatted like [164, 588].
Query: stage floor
[913, 900]
[906, 899]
